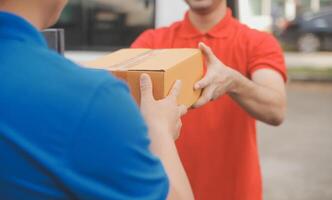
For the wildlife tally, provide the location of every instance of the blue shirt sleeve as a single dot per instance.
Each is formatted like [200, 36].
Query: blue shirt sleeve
[109, 155]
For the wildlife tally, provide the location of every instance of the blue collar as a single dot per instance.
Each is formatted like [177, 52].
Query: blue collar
[17, 28]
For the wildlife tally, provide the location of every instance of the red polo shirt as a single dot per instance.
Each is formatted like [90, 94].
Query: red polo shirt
[218, 145]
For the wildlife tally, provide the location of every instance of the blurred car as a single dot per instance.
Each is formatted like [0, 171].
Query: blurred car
[311, 32]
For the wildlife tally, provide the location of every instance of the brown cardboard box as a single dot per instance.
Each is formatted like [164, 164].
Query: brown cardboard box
[164, 66]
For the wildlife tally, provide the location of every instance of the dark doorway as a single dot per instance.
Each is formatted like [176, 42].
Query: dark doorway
[233, 4]
[105, 25]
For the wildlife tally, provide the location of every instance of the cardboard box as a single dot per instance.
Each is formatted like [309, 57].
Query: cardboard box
[164, 66]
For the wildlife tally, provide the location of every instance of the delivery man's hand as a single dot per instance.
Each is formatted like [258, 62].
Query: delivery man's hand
[162, 114]
[217, 81]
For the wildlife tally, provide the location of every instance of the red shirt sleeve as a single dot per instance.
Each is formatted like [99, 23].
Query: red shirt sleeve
[266, 53]
[145, 40]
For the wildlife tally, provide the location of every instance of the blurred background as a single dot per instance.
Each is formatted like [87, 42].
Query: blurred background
[296, 158]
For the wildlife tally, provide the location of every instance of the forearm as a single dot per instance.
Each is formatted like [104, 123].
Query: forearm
[164, 147]
[263, 103]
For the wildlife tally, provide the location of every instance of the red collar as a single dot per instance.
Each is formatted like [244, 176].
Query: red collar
[220, 30]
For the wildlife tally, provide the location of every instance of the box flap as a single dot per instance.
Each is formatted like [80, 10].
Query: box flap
[162, 59]
[111, 60]
[142, 59]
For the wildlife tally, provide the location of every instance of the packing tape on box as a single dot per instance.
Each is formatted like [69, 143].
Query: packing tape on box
[127, 64]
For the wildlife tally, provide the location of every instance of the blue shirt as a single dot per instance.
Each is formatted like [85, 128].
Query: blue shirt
[67, 132]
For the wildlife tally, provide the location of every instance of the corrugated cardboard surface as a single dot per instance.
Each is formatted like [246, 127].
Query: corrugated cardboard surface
[165, 66]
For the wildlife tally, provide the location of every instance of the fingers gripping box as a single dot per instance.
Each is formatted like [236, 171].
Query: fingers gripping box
[164, 66]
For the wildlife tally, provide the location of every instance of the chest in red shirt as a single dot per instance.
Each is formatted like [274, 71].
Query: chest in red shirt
[218, 141]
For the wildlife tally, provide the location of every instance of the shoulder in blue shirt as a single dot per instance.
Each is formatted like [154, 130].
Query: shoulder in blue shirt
[65, 131]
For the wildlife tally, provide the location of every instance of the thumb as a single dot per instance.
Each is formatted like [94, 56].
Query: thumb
[205, 98]
[207, 52]
[204, 82]
[175, 91]
[146, 88]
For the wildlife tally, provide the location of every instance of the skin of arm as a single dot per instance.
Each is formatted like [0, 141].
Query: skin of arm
[164, 147]
[263, 97]
[163, 118]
